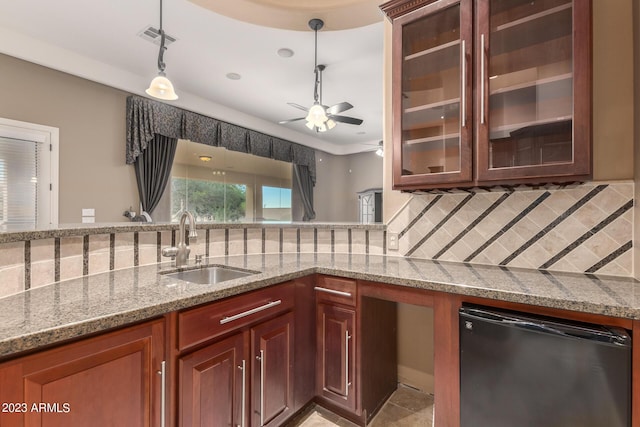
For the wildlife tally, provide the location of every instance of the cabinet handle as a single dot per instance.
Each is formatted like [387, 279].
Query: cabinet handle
[464, 84]
[244, 385]
[482, 55]
[249, 312]
[347, 337]
[163, 392]
[332, 291]
[261, 359]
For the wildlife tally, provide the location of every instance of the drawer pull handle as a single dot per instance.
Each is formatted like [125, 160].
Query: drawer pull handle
[332, 291]
[249, 312]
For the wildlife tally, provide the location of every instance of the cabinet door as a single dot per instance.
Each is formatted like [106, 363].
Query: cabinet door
[336, 354]
[534, 89]
[432, 96]
[109, 380]
[272, 372]
[213, 385]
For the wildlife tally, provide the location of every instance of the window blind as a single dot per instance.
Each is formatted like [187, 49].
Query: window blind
[18, 181]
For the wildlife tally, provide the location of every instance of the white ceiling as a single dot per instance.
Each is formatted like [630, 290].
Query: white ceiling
[99, 40]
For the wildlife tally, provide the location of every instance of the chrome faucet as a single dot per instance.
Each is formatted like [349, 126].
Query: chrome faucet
[181, 252]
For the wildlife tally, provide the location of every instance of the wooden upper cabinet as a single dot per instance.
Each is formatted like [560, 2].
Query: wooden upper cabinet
[432, 97]
[490, 92]
[534, 89]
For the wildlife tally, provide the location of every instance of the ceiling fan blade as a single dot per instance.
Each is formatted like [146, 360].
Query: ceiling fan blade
[298, 106]
[291, 120]
[345, 119]
[339, 108]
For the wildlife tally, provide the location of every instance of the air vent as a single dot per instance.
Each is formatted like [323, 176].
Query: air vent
[152, 34]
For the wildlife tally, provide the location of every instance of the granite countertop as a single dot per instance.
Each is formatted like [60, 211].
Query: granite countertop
[18, 233]
[69, 309]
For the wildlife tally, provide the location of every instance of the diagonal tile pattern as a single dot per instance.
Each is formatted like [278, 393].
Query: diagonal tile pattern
[581, 228]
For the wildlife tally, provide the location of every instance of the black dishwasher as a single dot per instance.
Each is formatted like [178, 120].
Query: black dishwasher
[521, 370]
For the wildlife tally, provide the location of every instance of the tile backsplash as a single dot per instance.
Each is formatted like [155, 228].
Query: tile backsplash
[70, 253]
[582, 228]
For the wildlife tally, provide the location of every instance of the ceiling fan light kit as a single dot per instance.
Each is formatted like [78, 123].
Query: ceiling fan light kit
[317, 115]
[161, 87]
[320, 117]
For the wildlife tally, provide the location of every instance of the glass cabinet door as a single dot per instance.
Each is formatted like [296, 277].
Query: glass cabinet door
[530, 118]
[432, 96]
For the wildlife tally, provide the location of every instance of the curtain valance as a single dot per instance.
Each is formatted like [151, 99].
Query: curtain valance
[146, 117]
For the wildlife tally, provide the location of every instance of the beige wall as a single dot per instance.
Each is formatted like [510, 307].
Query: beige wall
[330, 189]
[612, 93]
[91, 119]
[339, 179]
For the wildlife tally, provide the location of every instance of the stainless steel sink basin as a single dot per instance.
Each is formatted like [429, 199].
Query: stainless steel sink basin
[210, 275]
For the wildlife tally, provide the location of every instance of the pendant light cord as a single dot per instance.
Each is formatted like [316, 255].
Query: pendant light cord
[161, 64]
[315, 68]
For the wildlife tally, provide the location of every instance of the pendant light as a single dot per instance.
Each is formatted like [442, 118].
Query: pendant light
[161, 87]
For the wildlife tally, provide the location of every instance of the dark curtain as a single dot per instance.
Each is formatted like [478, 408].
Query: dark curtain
[153, 169]
[305, 183]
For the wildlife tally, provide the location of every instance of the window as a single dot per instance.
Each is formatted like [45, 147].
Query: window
[28, 175]
[218, 185]
[209, 201]
[276, 203]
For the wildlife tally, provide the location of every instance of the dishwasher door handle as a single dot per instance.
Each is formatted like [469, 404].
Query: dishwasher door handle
[579, 332]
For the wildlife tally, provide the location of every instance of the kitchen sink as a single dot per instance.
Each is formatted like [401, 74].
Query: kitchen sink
[210, 275]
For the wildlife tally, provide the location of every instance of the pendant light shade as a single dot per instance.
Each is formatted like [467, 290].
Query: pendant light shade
[161, 87]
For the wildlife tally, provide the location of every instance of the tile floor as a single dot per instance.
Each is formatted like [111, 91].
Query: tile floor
[406, 407]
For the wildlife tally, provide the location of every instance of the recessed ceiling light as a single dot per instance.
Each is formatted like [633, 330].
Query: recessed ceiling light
[285, 52]
[205, 158]
[234, 76]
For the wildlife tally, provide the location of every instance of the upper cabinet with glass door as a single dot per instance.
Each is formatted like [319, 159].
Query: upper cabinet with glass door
[491, 91]
[432, 101]
[534, 89]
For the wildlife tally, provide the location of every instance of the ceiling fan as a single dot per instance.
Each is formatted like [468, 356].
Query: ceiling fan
[319, 116]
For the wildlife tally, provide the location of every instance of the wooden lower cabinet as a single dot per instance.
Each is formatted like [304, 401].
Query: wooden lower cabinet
[108, 380]
[272, 371]
[336, 354]
[356, 350]
[243, 380]
[213, 384]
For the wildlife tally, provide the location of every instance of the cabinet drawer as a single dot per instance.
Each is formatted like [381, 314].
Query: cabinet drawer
[201, 324]
[336, 289]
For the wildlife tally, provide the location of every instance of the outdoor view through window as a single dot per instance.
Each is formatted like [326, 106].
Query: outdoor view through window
[218, 185]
